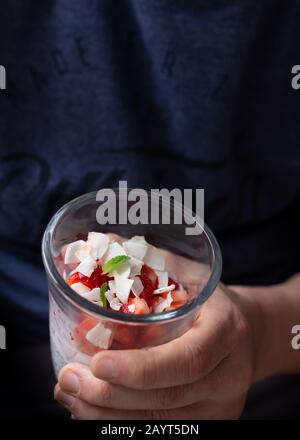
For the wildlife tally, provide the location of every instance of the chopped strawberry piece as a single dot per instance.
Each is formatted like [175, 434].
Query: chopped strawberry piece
[175, 305]
[171, 281]
[95, 280]
[124, 308]
[124, 337]
[140, 306]
[147, 293]
[98, 278]
[180, 295]
[150, 273]
[79, 335]
[77, 277]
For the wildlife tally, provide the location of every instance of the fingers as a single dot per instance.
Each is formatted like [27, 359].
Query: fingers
[103, 394]
[182, 361]
[203, 410]
[98, 392]
[82, 410]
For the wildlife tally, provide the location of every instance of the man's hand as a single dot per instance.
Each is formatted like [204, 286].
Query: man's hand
[204, 374]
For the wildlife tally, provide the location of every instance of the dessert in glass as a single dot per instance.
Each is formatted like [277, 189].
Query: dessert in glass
[122, 286]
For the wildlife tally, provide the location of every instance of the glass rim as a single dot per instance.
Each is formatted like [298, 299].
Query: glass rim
[91, 308]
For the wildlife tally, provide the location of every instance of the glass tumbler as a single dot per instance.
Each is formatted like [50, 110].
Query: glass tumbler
[193, 260]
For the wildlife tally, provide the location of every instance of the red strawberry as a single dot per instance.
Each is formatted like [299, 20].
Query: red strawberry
[124, 308]
[95, 280]
[79, 335]
[180, 296]
[150, 273]
[140, 306]
[171, 281]
[77, 277]
[147, 293]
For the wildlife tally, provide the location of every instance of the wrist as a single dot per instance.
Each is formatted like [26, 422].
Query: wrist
[272, 311]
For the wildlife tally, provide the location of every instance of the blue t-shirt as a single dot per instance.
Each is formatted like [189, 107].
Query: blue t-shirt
[161, 93]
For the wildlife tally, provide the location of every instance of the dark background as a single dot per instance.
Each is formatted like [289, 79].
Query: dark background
[162, 93]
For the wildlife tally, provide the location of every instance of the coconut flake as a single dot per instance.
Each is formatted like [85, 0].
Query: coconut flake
[71, 255]
[98, 243]
[94, 295]
[135, 249]
[163, 303]
[155, 258]
[80, 288]
[164, 289]
[114, 250]
[109, 294]
[115, 304]
[139, 239]
[137, 286]
[135, 266]
[100, 336]
[83, 252]
[123, 287]
[87, 266]
[163, 278]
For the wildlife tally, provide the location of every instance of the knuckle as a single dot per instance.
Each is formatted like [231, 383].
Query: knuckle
[197, 360]
[147, 372]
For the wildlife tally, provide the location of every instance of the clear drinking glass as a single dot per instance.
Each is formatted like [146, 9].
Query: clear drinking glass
[194, 259]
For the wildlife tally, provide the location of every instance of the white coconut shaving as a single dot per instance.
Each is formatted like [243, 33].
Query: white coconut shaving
[87, 266]
[80, 288]
[98, 244]
[163, 278]
[100, 336]
[135, 266]
[163, 303]
[155, 258]
[71, 255]
[114, 250]
[115, 304]
[123, 287]
[164, 289]
[94, 295]
[137, 286]
[135, 249]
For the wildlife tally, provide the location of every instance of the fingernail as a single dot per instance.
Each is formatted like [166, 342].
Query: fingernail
[70, 383]
[65, 399]
[108, 369]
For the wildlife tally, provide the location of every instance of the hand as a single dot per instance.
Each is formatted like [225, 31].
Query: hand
[204, 374]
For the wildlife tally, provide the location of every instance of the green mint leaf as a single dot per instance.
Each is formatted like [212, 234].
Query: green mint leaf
[103, 299]
[113, 264]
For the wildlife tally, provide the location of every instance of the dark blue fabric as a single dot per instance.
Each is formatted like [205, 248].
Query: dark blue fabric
[163, 93]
